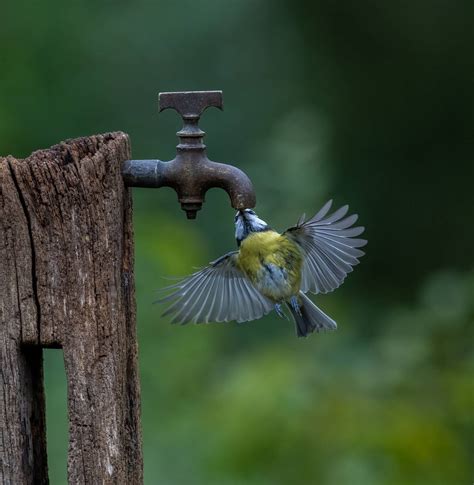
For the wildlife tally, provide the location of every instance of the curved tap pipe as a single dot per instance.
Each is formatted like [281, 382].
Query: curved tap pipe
[191, 182]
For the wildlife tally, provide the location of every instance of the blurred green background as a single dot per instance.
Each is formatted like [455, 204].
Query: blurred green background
[366, 102]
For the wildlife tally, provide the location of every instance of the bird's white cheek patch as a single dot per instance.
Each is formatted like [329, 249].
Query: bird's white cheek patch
[257, 224]
[239, 229]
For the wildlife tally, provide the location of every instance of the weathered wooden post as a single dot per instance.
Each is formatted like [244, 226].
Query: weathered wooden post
[66, 280]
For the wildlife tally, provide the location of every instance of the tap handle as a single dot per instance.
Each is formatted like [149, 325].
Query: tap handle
[190, 104]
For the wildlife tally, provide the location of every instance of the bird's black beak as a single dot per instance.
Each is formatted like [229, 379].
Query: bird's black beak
[240, 215]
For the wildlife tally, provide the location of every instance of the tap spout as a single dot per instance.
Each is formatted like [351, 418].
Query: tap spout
[234, 181]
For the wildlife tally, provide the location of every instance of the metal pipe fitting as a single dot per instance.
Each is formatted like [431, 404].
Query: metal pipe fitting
[191, 174]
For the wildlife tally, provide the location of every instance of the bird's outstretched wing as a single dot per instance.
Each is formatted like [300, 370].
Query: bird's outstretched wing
[329, 246]
[220, 292]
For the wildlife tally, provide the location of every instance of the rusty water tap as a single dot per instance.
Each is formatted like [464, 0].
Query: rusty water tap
[191, 173]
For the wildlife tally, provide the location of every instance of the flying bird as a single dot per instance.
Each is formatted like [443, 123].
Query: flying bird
[272, 270]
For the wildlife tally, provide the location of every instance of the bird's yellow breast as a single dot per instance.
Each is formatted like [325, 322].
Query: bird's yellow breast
[273, 263]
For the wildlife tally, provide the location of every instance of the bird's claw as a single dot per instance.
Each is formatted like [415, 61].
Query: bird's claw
[279, 310]
[295, 305]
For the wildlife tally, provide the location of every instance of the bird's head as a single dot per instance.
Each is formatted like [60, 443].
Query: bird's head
[246, 221]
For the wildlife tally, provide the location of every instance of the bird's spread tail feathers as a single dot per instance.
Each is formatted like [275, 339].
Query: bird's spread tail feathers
[310, 318]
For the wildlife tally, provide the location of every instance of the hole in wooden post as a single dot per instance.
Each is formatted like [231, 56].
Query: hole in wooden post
[56, 414]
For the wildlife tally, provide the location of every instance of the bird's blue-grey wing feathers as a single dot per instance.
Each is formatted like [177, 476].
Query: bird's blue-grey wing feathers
[220, 292]
[330, 247]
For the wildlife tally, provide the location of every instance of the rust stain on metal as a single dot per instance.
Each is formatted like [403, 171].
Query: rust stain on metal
[191, 174]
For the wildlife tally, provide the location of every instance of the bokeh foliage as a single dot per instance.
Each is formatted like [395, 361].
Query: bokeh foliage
[367, 102]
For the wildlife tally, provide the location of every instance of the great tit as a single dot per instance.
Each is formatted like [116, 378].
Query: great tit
[270, 270]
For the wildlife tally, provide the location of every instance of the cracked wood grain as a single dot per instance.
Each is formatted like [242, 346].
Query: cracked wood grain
[22, 438]
[66, 266]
